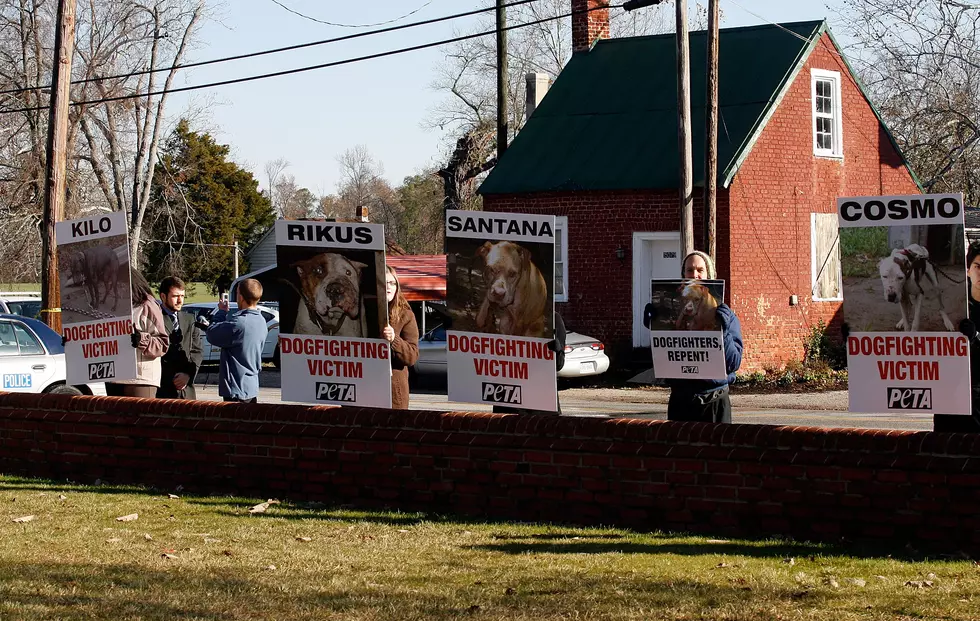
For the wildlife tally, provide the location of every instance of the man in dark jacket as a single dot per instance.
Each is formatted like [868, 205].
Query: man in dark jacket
[183, 358]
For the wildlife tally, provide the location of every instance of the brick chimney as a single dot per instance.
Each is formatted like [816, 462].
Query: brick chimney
[587, 28]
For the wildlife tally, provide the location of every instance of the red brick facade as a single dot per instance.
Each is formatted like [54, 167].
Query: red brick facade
[739, 480]
[763, 224]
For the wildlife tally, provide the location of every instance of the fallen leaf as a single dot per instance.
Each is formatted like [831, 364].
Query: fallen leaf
[173, 496]
[790, 561]
[919, 584]
[23, 520]
[168, 556]
[62, 497]
[402, 530]
[859, 582]
[881, 578]
[270, 568]
[113, 540]
[304, 539]
[721, 565]
[132, 517]
[148, 537]
[262, 507]
[930, 576]
[832, 582]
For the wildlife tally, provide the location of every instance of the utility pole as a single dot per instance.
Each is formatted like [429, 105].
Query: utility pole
[56, 167]
[502, 80]
[684, 130]
[711, 136]
[235, 250]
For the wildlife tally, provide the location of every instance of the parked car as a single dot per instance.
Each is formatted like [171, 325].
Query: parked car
[25, 304]
[32, 359]
[270, 353]
[584, 355]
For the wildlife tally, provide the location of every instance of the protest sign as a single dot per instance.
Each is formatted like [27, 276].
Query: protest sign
[332, 310]
[96, 298]
[686, 339]
[500, 297]
[904, 267]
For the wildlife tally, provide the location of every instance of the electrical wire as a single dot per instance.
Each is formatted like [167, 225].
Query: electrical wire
[337, 63]
[288, 48]
[385, 23]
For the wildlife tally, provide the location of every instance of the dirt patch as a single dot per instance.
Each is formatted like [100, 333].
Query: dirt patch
[867, 310]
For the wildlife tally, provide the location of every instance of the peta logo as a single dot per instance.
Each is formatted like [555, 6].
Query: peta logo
[502, 393]
[910, 398]
[689, 370]
[101, 371]
[344, 393]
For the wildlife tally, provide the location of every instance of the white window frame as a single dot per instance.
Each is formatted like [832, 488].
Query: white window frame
[561, 224]
[836, 116]
[815, 267]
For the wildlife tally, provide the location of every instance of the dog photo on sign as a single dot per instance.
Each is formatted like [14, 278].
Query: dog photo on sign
[337, 292]
[904, 278]
[500, 287]
[686, 304]
[94, 279]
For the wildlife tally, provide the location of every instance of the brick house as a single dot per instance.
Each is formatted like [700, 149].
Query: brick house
[600, 152]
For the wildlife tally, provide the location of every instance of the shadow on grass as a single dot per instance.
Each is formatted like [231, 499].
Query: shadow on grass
[664, 544]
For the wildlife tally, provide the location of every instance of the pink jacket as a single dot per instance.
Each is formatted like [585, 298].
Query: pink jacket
[148, 319]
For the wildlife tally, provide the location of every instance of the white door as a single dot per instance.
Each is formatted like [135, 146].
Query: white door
[655, 255]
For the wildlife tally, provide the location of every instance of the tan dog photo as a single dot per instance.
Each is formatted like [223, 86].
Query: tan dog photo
[516, 291]
[331, 304]
[698, 310]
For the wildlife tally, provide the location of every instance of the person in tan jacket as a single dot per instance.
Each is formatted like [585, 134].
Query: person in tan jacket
[402, 332]
[150, 340]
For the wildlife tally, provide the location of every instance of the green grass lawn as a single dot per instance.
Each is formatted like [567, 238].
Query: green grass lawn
[861, 249]
[208, 558]
[196, 291]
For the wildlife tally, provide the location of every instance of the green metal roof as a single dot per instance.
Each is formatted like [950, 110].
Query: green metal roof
[609, 121]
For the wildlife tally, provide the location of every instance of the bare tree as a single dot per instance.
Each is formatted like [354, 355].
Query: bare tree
[273, 170]
[921, 63]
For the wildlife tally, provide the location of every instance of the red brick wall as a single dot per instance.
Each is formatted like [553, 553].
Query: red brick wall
[600, 286]
[772, 196]
[748, 480]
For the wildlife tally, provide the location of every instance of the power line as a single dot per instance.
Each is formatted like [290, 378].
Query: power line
[337, 63]
[320, 21]
[288, 48]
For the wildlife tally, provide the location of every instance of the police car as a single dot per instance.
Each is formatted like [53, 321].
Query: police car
[32, 359]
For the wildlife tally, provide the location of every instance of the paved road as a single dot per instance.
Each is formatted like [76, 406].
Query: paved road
[823, 409]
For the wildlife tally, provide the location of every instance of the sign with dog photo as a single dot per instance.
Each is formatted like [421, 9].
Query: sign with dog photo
[96, 298]
[903, 261]
[685, 338]
[500, 275]
[332, 311]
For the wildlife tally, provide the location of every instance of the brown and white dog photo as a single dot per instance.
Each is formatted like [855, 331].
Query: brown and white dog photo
[908, 278]
[516, 293]
[698, 309]
[331, 304]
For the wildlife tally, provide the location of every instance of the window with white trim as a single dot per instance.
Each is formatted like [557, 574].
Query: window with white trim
[827, 126]
[561, 258]
[825, 266]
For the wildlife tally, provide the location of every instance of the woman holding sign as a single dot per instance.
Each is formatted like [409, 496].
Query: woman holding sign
[150, 341]
[402, 332]
[704, 400]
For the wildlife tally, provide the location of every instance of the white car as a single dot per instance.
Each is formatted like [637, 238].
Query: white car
[584, 355]
[32, 359]
[25, 304]
[270, 352]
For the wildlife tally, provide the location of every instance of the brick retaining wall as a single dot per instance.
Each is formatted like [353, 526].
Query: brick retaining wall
[747, 480]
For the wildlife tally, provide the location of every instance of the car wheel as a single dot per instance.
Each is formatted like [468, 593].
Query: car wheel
[61, 389]
[276, 358]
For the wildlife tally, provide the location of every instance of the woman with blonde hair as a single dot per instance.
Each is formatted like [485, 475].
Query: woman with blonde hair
[402, 332]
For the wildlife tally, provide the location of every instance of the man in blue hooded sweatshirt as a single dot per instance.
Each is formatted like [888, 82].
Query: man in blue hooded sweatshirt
[705, 401]
[241, 336]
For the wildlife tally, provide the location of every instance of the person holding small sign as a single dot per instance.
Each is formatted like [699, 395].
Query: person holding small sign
[402, 332]
[704, 400]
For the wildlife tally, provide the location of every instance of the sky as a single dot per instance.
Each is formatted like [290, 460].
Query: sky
[311, 118]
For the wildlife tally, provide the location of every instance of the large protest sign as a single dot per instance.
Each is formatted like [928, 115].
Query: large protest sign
[500, 296]
[904, 266]
[685, 337]
[332, 311]
[96, 298]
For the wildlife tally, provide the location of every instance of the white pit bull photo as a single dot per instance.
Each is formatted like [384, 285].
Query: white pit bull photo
[908, 277]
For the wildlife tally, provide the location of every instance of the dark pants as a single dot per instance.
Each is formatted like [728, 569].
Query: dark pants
[950, 423]
[237, 400]
[711, 407]
[131, 390]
